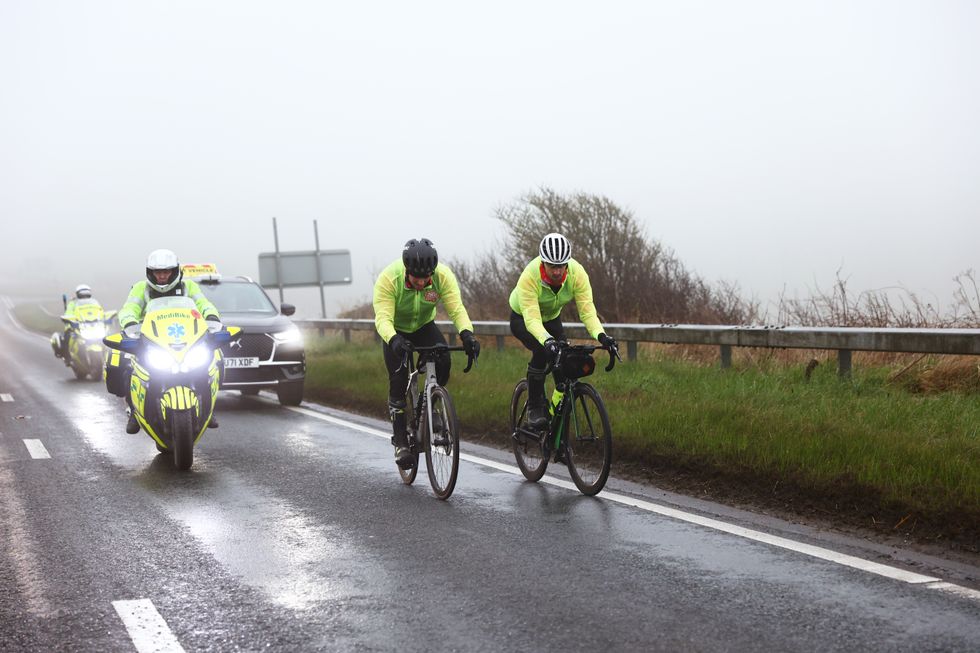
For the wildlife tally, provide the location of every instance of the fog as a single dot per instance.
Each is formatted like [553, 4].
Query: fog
[768, 143]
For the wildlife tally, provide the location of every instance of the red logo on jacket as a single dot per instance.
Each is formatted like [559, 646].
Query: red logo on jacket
[431, 296]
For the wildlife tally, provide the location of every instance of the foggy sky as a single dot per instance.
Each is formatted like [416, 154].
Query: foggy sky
[767, 143]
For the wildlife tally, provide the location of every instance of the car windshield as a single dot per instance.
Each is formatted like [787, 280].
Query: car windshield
[239, 298]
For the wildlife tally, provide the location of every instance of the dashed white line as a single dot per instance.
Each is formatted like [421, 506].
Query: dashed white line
[149, 632]
[807, 549]
[6, 397]
[36, 449]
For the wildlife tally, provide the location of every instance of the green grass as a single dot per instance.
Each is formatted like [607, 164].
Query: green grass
[864, 442]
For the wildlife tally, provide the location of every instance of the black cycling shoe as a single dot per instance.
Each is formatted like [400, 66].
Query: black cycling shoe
[537, 417]
[213, 424]
[403, 457]
[132, 426]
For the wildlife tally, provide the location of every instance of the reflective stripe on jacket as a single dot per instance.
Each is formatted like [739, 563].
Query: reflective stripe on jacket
[534, 299]
[141, 294]
[398, 307]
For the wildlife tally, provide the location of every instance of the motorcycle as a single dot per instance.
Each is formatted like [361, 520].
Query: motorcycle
[175, 373]
[87, 327]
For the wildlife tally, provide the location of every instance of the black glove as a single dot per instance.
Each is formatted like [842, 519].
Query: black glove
[607, 341]
[470, 344]
[400, 345]
[551, 349]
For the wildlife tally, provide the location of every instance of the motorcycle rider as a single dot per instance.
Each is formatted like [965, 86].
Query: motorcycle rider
[82, 291]
[405, 297]
[164, 278]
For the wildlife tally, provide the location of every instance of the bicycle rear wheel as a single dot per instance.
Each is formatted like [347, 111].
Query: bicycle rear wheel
[589, 441]
[441, 443]
[408, 473]
[527, 450]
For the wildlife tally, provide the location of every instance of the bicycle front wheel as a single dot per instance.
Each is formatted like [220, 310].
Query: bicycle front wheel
[589, 441]
[527, 448]
[441, 443]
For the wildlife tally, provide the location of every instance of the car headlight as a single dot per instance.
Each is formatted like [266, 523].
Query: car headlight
[292, 334]
[196, 357]
[160, 359]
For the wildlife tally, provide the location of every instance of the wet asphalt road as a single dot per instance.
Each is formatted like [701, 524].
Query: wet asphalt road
[292, 533]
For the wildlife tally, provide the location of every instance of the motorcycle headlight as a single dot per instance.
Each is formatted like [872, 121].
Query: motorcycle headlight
[196, 357]
[292, 334]
[160, 359]
[92, 331]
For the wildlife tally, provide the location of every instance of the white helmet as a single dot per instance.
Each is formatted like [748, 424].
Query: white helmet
[83, 291]
[163, 259]
[555, 249]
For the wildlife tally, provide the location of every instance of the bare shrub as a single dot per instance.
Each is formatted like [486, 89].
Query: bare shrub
[634, 279]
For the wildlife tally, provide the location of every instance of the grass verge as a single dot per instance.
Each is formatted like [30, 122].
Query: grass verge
[865, 452]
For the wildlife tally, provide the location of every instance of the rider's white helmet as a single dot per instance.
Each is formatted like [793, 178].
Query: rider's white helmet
[83, 291]
[162, 259]
[555, 249]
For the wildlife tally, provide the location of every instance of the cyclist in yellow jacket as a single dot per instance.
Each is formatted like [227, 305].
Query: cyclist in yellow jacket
[549, 282]
[405, 298]
[164, 278]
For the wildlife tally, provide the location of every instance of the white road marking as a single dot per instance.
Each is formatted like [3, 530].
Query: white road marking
[149, 632]
[6, 397]
[807, 549]
[36, 449]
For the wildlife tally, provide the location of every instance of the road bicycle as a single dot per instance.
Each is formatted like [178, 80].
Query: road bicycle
[432, 426]
[578, 433]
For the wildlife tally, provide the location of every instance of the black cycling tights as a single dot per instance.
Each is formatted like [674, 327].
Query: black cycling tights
[539, 360]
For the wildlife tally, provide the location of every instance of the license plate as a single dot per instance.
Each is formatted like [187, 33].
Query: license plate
[242, 362]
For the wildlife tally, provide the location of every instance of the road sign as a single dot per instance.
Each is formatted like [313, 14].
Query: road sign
[300, 268]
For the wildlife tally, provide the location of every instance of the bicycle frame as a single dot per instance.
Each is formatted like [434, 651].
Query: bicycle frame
[420, 398]
[423, 399]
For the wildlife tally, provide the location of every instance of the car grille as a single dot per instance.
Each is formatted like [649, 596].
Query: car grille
[251, 375]
[253, 344]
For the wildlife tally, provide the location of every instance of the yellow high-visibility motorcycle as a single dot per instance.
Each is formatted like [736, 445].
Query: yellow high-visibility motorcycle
[176, 370]
[86, 329]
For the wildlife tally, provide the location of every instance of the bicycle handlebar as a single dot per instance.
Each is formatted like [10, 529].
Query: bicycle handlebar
[613, 353]
[438, 348]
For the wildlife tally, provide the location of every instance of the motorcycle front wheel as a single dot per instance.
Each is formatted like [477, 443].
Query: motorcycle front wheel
[182, 438]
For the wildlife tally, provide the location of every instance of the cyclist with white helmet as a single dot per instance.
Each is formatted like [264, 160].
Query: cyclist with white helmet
[405, 298]
[549, 282]
[163, 279]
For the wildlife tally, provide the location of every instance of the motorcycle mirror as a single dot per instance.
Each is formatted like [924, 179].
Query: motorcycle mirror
[118, 342]
[287, 309]
[220, 338]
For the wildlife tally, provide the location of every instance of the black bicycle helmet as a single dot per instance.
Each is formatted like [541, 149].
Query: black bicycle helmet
[420, 257]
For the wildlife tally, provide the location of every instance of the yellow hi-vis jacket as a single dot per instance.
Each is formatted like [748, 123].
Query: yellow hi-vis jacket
[537, 303]
[399, 307]
[140, 295]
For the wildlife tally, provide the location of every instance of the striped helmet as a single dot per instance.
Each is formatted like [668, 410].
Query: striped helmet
[555, 249]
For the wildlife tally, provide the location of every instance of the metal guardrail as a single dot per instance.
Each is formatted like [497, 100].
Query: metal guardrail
[844, 339]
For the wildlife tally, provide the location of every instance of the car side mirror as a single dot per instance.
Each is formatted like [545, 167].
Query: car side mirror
[287, 309]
